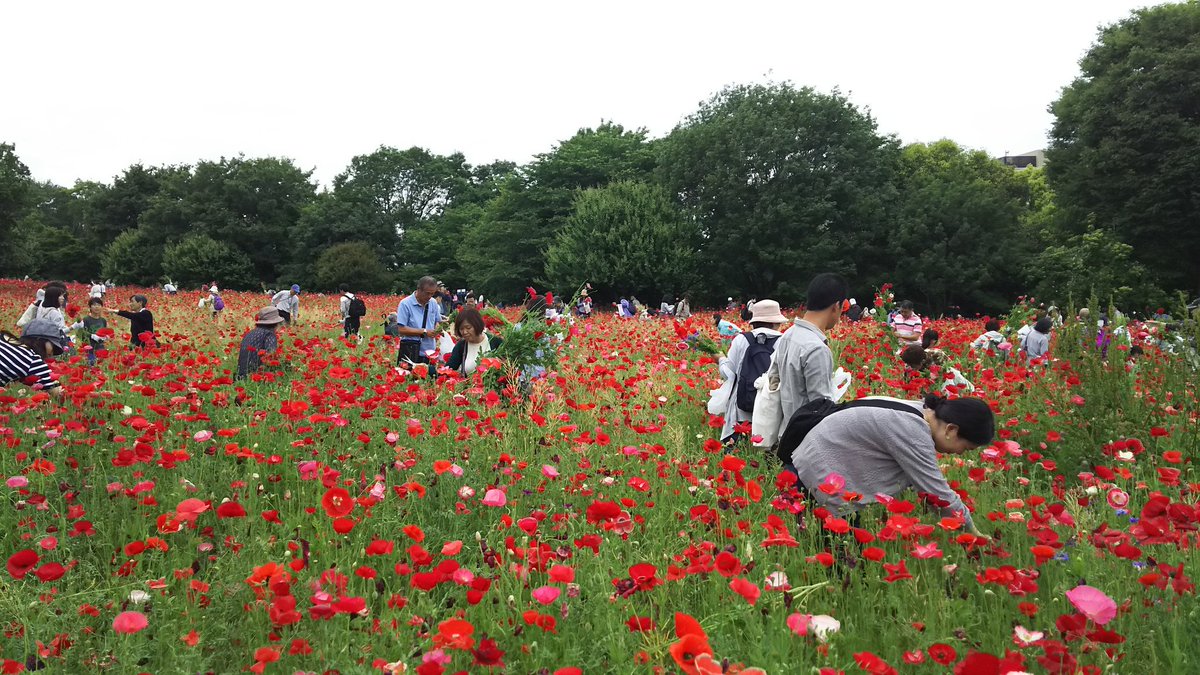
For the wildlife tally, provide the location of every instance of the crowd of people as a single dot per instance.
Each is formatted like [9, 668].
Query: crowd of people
[780, 384]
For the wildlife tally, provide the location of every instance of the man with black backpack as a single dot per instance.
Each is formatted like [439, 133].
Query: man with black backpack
[353, 309]
[749, 358]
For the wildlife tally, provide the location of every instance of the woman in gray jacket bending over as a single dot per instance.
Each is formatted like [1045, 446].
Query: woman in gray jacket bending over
[873, 451]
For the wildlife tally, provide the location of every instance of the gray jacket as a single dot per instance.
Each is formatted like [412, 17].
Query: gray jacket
[804, 367]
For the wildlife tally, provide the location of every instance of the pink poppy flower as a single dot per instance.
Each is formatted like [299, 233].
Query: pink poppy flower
[546, 594]
[130, 622]
[494, 497]
[1093, 603]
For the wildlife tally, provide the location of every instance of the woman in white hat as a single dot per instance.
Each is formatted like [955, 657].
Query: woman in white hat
[749, 356]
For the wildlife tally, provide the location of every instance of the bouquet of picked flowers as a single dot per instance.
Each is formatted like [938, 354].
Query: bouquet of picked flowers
[690, 337]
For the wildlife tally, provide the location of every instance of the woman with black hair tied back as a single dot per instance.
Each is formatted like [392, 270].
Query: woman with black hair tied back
[864, 454]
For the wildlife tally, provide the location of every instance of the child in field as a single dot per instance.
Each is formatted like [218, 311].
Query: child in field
[726, 329]
[92, 324]
[215, 302]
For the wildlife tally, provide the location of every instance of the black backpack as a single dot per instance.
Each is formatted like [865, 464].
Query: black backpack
[809, 416]
[358, 307]
[755, 362]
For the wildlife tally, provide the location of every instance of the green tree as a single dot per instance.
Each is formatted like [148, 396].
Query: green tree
[784, 183]
[1094, 262]
[128, 260]
[504, 251]
[1125, 144]
[249, 204]
[958, 239]
[113, 209]
[199, 259]
[354, 266]
[625, 237]
[14, 200]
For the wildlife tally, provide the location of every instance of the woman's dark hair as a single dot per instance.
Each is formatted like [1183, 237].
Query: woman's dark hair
[468, 315]
[992, 325]
[716, 318]
[36, 345]
[54, 297]
[929, 337]
[762, 324]
[1044, 325]
[973, 417]
[140, 299]
[913, 356]
[825, 291]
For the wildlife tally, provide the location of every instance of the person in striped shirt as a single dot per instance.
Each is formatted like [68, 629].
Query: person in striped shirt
[907, 324]
[23, 359]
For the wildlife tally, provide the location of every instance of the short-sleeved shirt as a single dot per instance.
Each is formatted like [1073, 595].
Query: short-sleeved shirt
[257, 342]
[412, 314]
[910, 327]
[728, 329]
[19, 364]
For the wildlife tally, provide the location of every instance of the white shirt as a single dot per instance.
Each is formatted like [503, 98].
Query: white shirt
[731, 367]
[97, 290]
[474, 351]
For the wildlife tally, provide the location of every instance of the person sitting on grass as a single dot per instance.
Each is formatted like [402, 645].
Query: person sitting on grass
[876, 453]
[473, 341]
[259, 341]
[23, 359]
[141, 321]
[991, 339]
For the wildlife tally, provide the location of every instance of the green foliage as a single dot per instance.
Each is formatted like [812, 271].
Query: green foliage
[14, 195]
[354, 266]
[504, 252]
[625, 237]
[1125, 148]
[785, 182]
[199, 259]
[959, 240]
[1094, 262]
[131, 259]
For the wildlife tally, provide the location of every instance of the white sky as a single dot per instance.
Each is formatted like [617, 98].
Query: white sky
[88, 88]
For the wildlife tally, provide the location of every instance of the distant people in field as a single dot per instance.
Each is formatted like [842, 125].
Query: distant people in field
[855, 313]
[419, 316]
[352, 309]
[288, 304]
[1037, 343]
[683, 309]
[725, 328]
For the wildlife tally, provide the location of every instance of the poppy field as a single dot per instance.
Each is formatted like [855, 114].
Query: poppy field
[331, 514]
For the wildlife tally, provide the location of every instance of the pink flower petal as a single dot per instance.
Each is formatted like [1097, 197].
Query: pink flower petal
[1093, 603]
[546, 594]
[494, 497]
[798, 623]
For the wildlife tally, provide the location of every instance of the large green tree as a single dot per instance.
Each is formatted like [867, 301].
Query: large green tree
[14, 198]
[199, 259]
[353, 266]
[1125, 144]
[784, 182]
[625, 237]
[505, 251]
[958, 240]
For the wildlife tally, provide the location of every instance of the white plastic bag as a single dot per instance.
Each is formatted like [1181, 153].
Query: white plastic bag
[445, 343]
[718, 399]
[841, 384]
[766, 419]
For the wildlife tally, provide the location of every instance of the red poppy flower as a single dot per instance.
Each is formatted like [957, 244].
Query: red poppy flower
[337, 502]
[21, 562]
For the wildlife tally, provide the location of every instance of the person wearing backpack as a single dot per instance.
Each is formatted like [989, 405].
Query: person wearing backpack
[352, 309]
[865, 452]
[749, 357]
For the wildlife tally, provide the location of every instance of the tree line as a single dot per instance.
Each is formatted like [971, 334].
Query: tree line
[749, 196]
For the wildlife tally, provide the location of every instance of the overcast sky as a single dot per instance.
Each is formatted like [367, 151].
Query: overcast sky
[88, 88]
